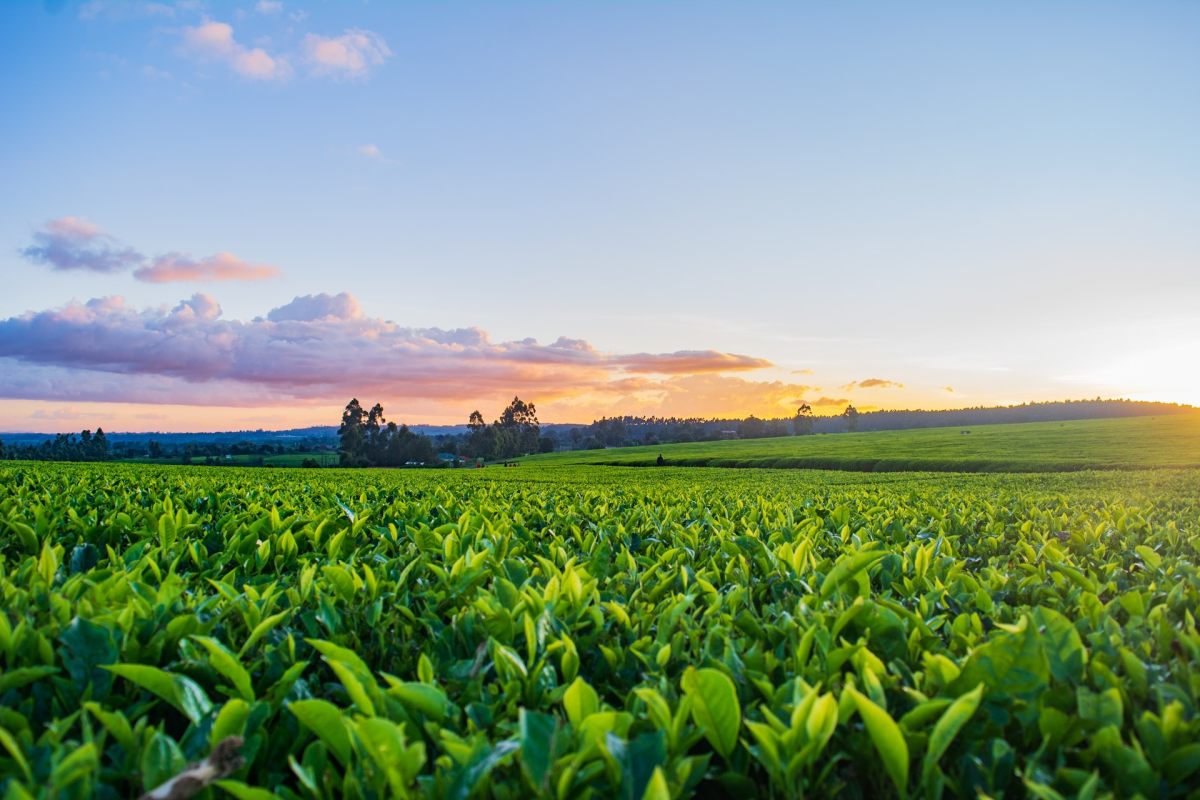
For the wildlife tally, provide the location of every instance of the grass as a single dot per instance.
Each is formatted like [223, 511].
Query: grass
[1130, 443]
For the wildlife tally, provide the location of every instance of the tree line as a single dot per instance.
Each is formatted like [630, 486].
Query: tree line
[367, 439]
[63, 447]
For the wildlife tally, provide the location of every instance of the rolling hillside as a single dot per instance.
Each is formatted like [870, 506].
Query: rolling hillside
[1137, 443]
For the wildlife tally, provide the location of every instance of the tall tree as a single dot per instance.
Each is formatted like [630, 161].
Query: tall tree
[851, 417]
[350, 432]
[519, 421]
[802, 425]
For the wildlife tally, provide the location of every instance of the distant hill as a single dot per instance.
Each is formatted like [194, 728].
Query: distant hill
[1026, 412]
[1132, 443]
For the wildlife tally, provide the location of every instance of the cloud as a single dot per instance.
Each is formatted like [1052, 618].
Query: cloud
[214, 41]
[268, 7]
[948, 388]
[830, 401]
[314, 307]
[220, 267]
[372, 152]
[323, 348]
[873, 383]
[691, 362]
[351, 55]
[73, 243]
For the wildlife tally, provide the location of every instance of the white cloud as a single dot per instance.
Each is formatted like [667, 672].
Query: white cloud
[268, 7]
[373, 152]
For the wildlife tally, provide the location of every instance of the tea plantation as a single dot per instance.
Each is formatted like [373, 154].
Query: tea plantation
[576, 632]
[1132, 443]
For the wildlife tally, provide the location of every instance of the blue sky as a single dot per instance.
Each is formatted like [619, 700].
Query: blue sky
[999, 198]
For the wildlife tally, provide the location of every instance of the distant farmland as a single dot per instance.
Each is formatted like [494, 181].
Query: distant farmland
[1132, 443]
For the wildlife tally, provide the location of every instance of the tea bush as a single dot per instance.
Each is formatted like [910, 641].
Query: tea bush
[599, 632]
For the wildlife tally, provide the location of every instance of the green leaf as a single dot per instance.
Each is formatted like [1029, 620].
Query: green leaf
[14, 749]
[1181, 763]
[580, 701]
[887, 738]
[848, 567]
[538, 734]
[16, 678]
[115, 723]
[424, 669]
[79, 764]
[1064, 648]
[226, 663]
[1102, 708]
[262, 629]
[384, 743]
[421, 697]
[1152, 559]
[715, 707]
[657, 788]
[178, 690]
[354, 687]
[325, 720]
[483, 760]
[637, 759]
[948, 726]
[161, 761]
[1013, 663]
[243, 792]
[230, 721]
[86, 648]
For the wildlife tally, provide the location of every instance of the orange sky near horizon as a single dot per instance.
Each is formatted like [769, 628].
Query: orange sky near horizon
[24, 416]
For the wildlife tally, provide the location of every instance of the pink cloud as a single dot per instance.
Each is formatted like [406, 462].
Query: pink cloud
[873, 383]
[351, 55]
[219, 267]
[73, 243]
[215, 41]
[313, 349]
[691, 362]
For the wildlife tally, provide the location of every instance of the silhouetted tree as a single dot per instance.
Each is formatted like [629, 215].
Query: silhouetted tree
[802, 424]
[350, 432]
[519, 427]
[851, 417]
[368, 439]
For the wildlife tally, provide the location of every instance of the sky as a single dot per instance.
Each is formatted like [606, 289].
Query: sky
[240, 215]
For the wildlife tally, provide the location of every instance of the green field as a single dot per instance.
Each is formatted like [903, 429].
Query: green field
[1131, 443]
[587, 632]
[274, 460]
